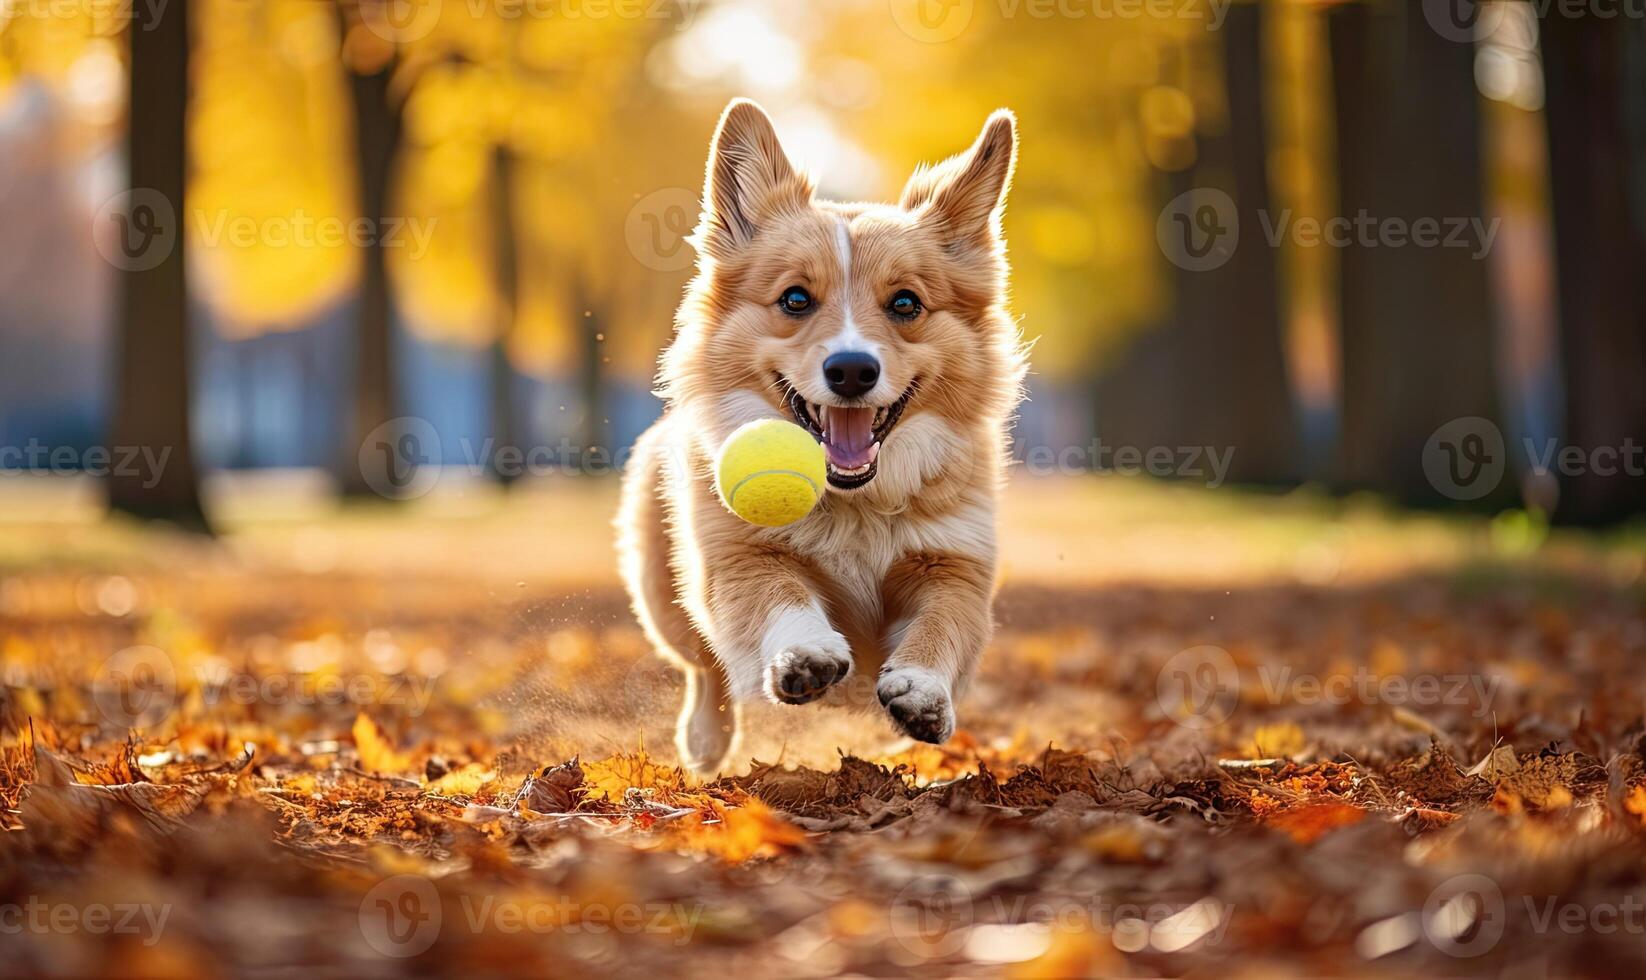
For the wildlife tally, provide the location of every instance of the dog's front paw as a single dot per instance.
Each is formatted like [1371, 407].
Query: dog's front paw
[919, 702]
[804, 669]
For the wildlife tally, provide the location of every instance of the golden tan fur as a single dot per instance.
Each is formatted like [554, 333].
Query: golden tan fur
[891, 581]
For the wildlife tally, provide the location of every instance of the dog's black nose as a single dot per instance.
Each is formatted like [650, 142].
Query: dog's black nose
[851, 373]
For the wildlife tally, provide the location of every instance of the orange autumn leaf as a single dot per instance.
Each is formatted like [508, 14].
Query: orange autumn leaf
[1635, 802]
[1306, 824]
[377, 752]
[1075, 950]
[736, 834]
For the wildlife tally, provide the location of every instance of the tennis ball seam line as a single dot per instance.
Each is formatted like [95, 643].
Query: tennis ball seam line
[731, 495]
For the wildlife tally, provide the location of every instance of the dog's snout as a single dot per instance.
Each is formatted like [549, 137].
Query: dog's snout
[851, 373]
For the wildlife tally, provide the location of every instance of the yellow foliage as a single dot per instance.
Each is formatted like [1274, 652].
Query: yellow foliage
[466, 781]
[1278, 741]
[616, 775]
[377, 752]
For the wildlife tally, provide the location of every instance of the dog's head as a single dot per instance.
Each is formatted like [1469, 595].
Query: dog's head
[881, 329]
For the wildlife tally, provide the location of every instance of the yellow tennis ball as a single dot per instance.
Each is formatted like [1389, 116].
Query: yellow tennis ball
[770, 472]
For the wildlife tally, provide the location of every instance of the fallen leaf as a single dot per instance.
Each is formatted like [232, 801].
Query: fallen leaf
[1306, 824]
[377, 753]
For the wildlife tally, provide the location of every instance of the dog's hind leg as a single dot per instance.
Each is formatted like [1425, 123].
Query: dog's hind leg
[708, 721]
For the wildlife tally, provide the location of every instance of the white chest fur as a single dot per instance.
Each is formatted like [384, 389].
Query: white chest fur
[855, 545]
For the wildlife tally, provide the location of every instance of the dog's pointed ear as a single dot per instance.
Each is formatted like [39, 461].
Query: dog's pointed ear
[749, 180]
[967, 192]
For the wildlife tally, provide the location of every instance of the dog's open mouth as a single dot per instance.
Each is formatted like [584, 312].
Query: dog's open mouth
[851, 435]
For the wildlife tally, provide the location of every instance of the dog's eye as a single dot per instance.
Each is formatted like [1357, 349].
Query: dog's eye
[905, 304]
[795, 300]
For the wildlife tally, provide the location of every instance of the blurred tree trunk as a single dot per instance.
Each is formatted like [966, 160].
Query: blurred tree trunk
[1595, 75]
[1235, 393]
[505, 251]
[1416, 331]
[377, 129]
[1216, 374]
[151, 401]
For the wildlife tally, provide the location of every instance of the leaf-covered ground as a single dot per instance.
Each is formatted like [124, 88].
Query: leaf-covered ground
[1216, 735]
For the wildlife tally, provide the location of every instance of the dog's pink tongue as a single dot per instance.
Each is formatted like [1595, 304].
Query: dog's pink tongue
[848, 437]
